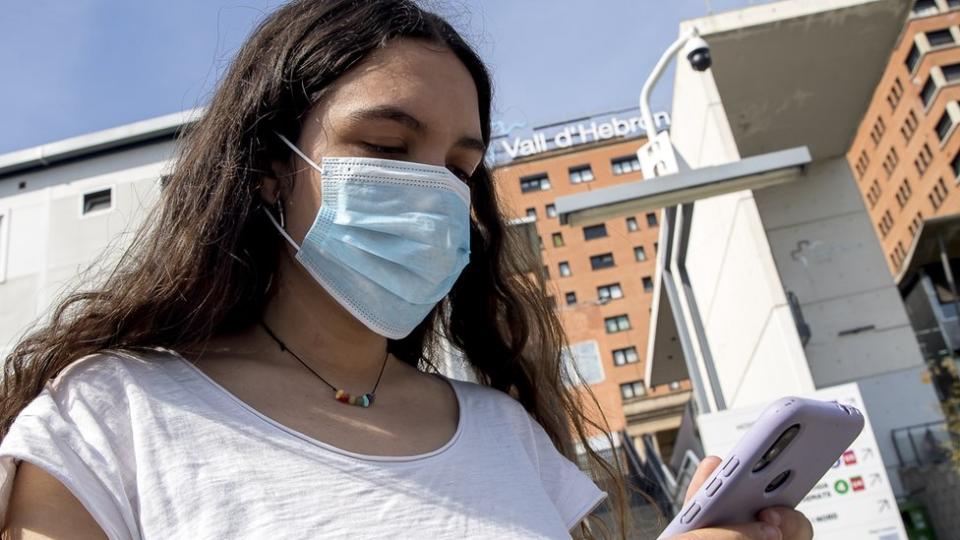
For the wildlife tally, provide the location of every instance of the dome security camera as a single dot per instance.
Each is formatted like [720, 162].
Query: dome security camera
[698, 53]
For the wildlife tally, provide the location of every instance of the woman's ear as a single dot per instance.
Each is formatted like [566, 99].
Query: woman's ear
[270, 185]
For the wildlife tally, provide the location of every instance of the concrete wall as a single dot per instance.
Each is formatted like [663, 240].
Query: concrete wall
[747, 321]
[51, 246]
[827, 254]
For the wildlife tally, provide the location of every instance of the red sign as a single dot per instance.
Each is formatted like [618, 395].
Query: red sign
[849, 458]
[857, 483]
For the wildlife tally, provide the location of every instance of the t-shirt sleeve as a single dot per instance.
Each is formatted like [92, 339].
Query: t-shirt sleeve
[58, 433]
[572, 491]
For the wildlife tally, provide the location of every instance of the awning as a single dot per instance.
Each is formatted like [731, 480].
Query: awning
[800, 73]
[686, 186]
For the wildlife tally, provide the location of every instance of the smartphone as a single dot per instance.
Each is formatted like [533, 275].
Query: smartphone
[776, 463]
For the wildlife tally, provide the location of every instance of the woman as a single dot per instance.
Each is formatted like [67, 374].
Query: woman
[260, 362]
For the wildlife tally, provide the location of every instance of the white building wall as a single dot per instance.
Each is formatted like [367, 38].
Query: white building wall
[747, 321]
[827, 253]
[51, 246]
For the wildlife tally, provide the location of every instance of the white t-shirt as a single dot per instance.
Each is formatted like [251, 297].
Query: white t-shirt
[154, 448]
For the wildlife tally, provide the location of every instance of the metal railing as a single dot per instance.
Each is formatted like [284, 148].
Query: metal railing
[924, 444]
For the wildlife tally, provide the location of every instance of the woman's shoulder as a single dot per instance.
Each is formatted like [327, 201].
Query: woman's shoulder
[109, 374]
[494, 404]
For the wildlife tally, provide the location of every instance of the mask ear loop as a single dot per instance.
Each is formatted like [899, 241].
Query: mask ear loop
[281, 227]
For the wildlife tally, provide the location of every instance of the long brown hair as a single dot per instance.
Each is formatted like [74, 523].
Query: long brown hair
[203, 261]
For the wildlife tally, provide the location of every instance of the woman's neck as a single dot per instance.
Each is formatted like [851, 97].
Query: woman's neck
[315, 327]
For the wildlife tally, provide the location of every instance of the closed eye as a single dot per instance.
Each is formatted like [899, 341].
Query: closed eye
[385, 149]
[399, 150]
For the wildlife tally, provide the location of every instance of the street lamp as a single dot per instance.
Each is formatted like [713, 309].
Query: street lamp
[657, 157]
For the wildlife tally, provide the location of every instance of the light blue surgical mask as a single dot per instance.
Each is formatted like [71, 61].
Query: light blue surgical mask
[390, 238]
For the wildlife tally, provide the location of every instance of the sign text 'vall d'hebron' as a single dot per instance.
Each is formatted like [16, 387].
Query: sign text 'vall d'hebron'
[575, 134]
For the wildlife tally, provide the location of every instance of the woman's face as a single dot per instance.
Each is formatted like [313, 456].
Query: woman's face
[411, 101]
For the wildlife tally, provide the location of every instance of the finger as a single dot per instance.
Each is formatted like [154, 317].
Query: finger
[703, 471]
[793, 524]
[746, 531]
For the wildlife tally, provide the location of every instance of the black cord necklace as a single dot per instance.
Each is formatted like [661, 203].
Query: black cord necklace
[363, 400]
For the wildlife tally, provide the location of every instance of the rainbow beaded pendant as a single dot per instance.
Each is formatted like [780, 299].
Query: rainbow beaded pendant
[363, 400]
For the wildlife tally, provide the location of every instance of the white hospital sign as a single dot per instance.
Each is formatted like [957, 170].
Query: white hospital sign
[573, 134]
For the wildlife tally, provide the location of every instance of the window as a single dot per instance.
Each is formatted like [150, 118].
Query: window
[551, 211]
[609, 292]
[903, 193]
[540, 241]
[951, 73]
[97, 201]
[564, 267]
[532, 213]
[537, 182]
[944, 126]
[939, 38]
[913, 58]
[647, 284]
[909, 126]
[594, 231]
[620, 323]
[582, 173]
[915, 224]
[873, 194]
[632, 224]
[956, 167]
[938, 194]
[571, 298]
[879, 128]
[639, 254]
[546, 272]
[898, 255]
[557, 239]
[632, 389]
[625, 164]
[922, 8]
[890, 161]
[862, 162]
[924, 158]
[625, 356]
[885, 223]
[652, 219]
[929, 89]
[604, 260]
[896, 92]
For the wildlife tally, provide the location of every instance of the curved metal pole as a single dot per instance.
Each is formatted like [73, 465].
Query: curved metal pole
[649, 126]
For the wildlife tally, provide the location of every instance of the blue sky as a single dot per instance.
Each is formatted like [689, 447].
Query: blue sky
[72, 67]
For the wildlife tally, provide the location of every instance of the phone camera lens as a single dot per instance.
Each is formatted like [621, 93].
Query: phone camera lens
[777, 482]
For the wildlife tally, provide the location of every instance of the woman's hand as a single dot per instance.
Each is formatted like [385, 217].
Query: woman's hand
[776, 523]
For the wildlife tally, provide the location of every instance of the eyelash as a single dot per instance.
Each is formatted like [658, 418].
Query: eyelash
[394, 150]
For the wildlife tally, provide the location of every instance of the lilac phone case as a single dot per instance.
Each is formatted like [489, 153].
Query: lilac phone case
[734, 494]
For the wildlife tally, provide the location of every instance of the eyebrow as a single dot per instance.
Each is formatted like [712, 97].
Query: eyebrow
[396, 114]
